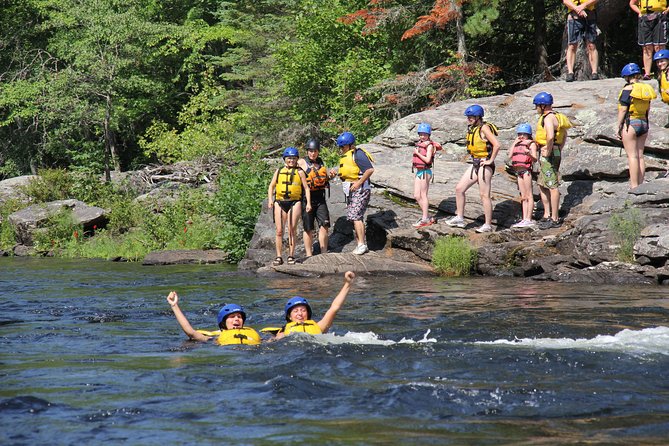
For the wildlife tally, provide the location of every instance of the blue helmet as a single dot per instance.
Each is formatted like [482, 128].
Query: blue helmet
[474, 110]
[290, 151]
[524, 128]
[345, 139]
[424, 127]
[630, 70]
[227, 310]
[543, 98]
[294, 301]
[662, 54]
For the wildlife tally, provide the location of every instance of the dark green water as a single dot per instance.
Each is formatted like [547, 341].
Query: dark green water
[90, 353]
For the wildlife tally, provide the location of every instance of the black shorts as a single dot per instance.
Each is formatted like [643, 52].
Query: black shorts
[286, 206]
[653, 29]
[319, 211]
[581, 29]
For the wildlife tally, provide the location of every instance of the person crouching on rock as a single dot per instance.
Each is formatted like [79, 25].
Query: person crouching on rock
[298, 312]
[523, 154]
[284, 198]
[230, 320]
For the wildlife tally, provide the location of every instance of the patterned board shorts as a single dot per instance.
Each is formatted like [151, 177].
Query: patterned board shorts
[357, 204]
[549, 175]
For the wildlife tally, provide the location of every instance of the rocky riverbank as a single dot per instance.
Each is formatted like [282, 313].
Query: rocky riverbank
[583, 249]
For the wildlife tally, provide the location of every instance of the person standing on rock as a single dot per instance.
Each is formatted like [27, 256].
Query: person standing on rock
[633, 108]
[550, 137]
[652, 29]
[483, 146]
[523, 153]
[284, 198]
[661, 59]
[581, 25]
[355, 169]
[318, 180]
[421, 164]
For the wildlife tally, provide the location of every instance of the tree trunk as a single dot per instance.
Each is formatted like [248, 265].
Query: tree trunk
[110, 142]
[459, 29]
[540, 52]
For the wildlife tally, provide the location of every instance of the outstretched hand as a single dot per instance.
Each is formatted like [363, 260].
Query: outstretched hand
[173, 298]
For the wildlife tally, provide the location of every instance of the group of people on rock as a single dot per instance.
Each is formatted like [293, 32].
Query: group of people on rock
[298, 190]
[231, 319]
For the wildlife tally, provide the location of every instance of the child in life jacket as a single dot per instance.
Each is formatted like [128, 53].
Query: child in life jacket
[523, 153]
[284, 199]
[230, 319]
[421, 163]
[298, 312]
[661, 59]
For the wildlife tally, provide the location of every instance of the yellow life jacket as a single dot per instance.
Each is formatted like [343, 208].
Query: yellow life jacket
[348, 168]
[317, 174]
[244, 335]
[307, 326]
[560, 132]
[288, 185]
[651, 6]
[664, 86]
[590, 7]
[476, 145]
[641, 95]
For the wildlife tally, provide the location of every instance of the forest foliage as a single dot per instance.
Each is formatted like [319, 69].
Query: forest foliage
[94, 86]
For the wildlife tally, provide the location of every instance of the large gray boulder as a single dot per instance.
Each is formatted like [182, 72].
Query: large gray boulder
[29, 220]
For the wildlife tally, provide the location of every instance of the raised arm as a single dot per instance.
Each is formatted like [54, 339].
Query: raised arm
[337, 302]
[173, 300]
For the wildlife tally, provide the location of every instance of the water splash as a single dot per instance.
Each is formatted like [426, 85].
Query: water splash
[368, 338]
[648, 340]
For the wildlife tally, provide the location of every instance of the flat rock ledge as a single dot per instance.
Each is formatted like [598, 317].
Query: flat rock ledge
[193, 256]
[376, 263]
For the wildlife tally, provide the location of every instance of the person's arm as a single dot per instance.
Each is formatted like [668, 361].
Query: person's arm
[270, 190]
[634, 7]
[305, 188]
[550, 122]
[509, 153]
[623, 107]
[492, 139]
[337, 303]
[173, 300]
[534, 149]
[429, 153]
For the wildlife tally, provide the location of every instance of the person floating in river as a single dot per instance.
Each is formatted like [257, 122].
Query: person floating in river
[298, 312]
[230, 319]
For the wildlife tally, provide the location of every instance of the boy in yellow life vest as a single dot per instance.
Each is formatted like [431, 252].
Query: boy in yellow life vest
[318, 180]
[661, 59]
[652, 29]
[581, 25]
[355, 169]
[482, 145]
[298, 312]
[230, 319]
[284, 199]
[633, 108]
[551, 136]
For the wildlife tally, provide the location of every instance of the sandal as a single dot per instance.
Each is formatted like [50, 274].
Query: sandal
[291, 260]
[278, 261]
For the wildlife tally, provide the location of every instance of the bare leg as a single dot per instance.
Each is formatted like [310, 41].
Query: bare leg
[593, 56]
[359, 229]
[485, 185]
[466, 181]
[323, 239]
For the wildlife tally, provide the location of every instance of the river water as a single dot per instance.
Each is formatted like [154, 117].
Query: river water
[91, 353]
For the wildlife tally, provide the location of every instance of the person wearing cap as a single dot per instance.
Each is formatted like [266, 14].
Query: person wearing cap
[298, 312]
[318, 180]
[284, 198]
[231, 319]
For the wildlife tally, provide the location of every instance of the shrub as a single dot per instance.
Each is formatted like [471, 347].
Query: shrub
[7, 236]
[453, 256]
[626, 226]
[50, 185]
[60, 231]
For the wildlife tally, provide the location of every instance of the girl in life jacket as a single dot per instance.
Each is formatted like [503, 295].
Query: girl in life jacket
[230, 319]
[522, 154]
[423, 155]
[298, 312]
[483, 146]
[288, 186]
[633, 108]
[661, 59]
